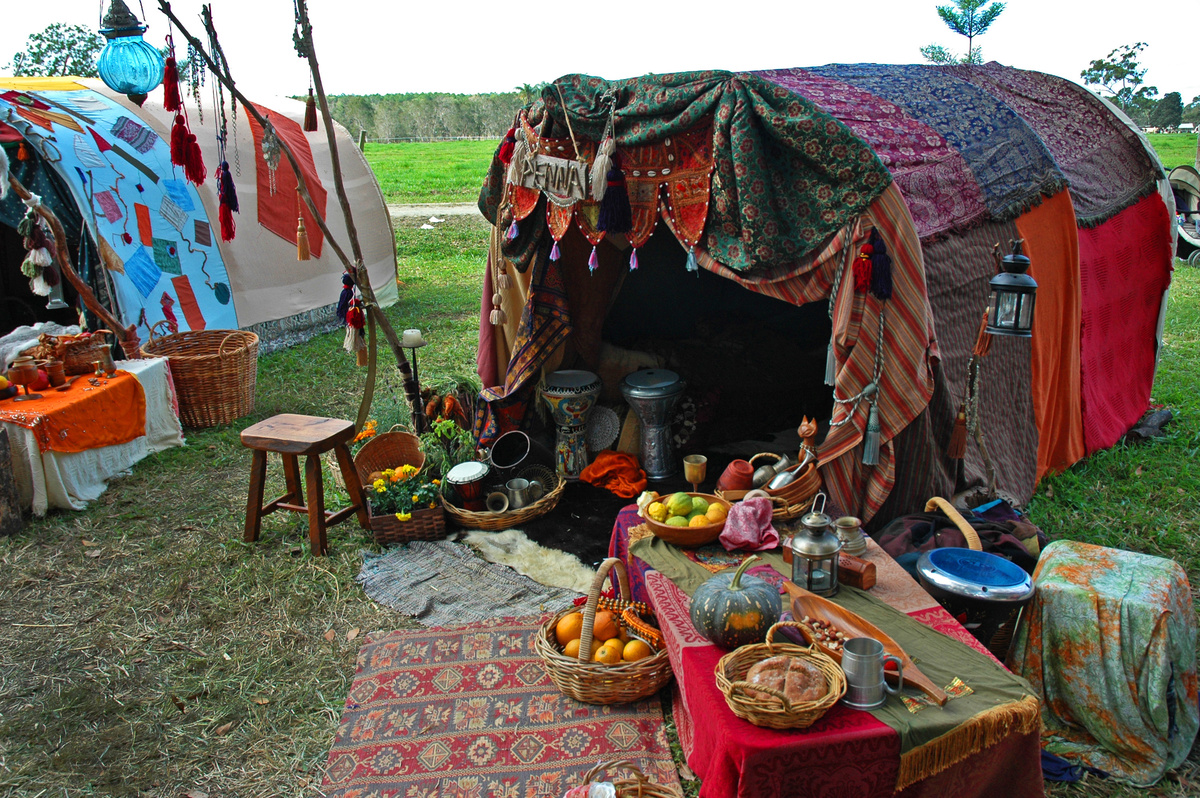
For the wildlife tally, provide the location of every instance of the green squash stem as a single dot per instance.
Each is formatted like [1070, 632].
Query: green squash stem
[736, 583]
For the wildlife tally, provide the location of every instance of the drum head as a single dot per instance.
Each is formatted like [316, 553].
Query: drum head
[650, 383]
[975, 574]
[466, 473]
[571, 380]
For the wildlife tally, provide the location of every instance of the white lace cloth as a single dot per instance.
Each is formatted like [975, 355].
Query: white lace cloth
[69, 480]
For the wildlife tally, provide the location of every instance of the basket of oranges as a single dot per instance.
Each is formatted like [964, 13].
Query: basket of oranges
[604, 656]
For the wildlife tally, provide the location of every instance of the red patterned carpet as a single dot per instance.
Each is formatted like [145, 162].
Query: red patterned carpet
[470, 712]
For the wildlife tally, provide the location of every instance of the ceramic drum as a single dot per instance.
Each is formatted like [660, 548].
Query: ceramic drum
[570, 394]
[653, 394]
[467, 480]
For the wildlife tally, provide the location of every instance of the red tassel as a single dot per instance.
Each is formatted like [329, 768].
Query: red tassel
[310, 113]
[193, 160]
[22, 152]
[171, 99]
[507, 146]
[179, 134]
[957, 448]
[862, 270]
[229, 201]
[228, 228]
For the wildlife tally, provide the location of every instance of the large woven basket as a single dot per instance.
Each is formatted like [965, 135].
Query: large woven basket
[635, 785]
[427, 524]
[777, 712]
[595, 682]
[386, 450]
[215, 372]
[509, 519]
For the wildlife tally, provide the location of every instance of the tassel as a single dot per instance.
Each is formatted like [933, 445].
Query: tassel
[830, 364]
[347, 294]
[356, 319]
[983, 341]
[513, 232]
[498, 316]
[353, 341]
[38, 285]
[871, 439]
[504, 281]
[601, 168]
[229, 201]
[633, 264]
[593, 261]
[310, 112]
[362, 357]
[862, 269]
[615, 214]
[51, 276]
[554, 253]
[22, 152]
[179, 141]
[957, 448]
[505, 153]
[520, 154]
[692, 265]
[193, 162]
[302, 251]
[881, 268]
[171, 99]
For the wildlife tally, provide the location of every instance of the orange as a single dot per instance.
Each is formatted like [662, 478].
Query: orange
[605, 627]
[716, 512]
[700, 520]
[569, 628]
[571, 649]
[635, 650]
[609, 653]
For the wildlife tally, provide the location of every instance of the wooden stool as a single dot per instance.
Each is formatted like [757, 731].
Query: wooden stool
[292, 435]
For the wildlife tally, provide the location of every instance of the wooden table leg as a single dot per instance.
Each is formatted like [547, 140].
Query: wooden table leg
[350, 477]
[316, 505]
[258, 476]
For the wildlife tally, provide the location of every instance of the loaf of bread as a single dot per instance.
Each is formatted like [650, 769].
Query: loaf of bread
[796, 678]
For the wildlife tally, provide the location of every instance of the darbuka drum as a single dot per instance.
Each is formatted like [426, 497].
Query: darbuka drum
[570, 394]
[653, 393]
[467, 481]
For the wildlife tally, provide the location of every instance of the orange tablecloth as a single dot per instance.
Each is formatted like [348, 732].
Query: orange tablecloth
[85, 416]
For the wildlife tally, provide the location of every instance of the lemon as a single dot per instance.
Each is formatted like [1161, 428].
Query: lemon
[658, 511]
[679, 504]
[699, 520]
[699, 505]
[676, 520]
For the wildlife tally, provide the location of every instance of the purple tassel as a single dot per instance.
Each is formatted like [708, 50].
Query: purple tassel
[616, 216]
[343, 304]
[554, 253]
[881, 268]
[593, 261]
[513, 232]
[227, 191]
[633, 264]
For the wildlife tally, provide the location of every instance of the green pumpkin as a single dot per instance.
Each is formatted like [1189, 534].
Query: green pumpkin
[732, 609]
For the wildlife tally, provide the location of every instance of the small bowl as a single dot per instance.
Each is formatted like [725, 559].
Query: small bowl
[690, 536]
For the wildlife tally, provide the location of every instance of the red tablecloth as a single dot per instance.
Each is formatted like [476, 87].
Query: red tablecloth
[845, 753]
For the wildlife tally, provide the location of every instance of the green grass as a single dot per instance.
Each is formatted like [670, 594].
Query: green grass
[1174, 149]
[440, 171]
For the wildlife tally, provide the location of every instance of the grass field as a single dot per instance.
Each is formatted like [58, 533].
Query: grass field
[1174, 149]
[146, 651]
[440, 171]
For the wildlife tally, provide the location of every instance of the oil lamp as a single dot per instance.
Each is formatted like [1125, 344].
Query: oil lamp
[815, 552]
[1010, 308]
[128, 64]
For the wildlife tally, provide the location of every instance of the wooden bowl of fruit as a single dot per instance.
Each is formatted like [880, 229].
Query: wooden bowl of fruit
[687, 519]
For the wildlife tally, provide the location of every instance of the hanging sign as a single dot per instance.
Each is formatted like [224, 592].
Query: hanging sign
[560, 176]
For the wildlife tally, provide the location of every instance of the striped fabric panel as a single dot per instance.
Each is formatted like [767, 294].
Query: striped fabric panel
[906, 383]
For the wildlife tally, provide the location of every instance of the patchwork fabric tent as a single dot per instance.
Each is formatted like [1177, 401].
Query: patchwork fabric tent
[103, 165]
[777, 180]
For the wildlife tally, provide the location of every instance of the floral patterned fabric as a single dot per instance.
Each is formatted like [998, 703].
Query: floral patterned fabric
[469, 711]
[1109, 641]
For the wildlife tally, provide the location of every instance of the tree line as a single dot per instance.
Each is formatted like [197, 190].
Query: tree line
[428, 115]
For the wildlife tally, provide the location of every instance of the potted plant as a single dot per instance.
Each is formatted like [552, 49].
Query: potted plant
[446, 445]
[405, 505]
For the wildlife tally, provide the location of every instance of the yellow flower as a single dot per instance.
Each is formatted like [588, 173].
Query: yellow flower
[415, 498]
[408, 470]
[380, 489]
[388, 473]
[432, 505]
[403, 516]
[437, 482]
[379, 485]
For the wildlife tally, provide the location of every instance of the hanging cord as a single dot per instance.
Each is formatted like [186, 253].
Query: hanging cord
[570, 130]
[872, 387]
[847, 257]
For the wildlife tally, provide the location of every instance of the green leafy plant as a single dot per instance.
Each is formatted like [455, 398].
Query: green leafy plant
[401, 491]
[446, 445]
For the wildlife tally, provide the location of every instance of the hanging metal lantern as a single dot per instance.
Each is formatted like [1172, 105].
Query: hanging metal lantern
[128, 64]
[1010, 309]
[815, 552]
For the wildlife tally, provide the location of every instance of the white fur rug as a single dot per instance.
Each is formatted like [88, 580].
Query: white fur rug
[548, 566]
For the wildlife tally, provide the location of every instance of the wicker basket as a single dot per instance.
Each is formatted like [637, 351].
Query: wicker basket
[792, 500]
[427, 524]
[390, 449]
[215, 372]
[78, 354]
[595, 682]
[494, 522]
[778, 713]
[628, 786]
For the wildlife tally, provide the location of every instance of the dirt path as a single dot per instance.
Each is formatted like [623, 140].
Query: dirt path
[431, 209]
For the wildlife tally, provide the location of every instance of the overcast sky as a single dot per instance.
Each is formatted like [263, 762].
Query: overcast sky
[467, 46]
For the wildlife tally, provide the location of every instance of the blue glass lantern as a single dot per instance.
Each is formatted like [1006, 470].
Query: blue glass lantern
[128, 64]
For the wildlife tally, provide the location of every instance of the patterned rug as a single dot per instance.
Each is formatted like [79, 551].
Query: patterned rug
[470, 712]
[442, 583]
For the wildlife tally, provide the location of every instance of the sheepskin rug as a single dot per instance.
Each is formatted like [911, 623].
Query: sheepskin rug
[548, 566]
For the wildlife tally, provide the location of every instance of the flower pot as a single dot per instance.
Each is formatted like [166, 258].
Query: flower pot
[427, 524]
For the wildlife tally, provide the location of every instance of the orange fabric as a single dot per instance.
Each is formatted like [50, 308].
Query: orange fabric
[1052, 244]
[79, 419]
[617, 473]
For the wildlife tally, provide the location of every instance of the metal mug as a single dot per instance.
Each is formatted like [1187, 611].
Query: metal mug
[522, 492]
[863, 661]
